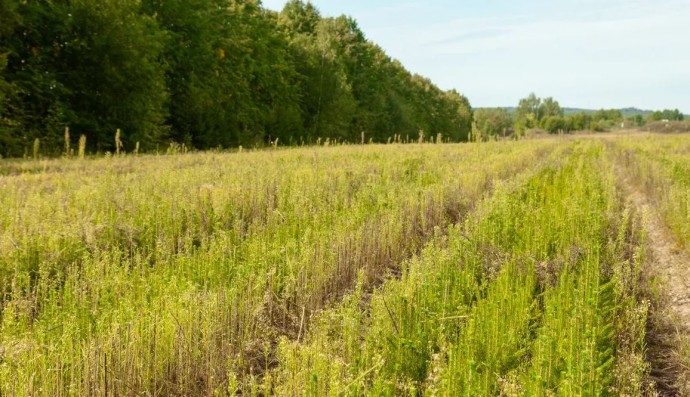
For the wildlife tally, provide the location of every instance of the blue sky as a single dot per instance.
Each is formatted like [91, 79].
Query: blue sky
[586, 53]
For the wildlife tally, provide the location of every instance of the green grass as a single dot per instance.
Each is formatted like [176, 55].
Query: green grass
[521, 296]
[661, 167]
[503, 268]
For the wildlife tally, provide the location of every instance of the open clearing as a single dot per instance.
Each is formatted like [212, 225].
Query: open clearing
[539, 267]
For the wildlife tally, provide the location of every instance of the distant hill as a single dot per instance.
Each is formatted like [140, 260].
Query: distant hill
[630, 111]
[627, 112]
[633, 111]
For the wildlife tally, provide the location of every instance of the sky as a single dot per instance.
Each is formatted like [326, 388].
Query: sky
[584, 53]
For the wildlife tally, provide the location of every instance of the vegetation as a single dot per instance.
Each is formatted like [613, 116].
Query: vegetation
[177, 275]
[206, 74]
[226, 73]
[667, 114]
[535, 113]
[524, 297]
[490, 123]
[658, 168]
[132, 265]
[667, 126]
[501, 268]
[662, 168]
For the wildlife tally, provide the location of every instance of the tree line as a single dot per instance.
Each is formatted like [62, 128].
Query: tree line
[204, 73]
[546, 114]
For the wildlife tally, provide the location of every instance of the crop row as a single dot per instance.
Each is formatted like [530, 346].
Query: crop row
[535, 293]
[661, 167]
[178, 275]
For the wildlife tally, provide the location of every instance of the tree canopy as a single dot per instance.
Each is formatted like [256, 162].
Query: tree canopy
[667, 114]
[206, 73]
[535, 112]
[492, 122]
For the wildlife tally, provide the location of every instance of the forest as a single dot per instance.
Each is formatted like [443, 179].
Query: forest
[206, 74]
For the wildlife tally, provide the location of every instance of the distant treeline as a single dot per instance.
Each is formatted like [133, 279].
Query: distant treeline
[204, 73]
[546, 114]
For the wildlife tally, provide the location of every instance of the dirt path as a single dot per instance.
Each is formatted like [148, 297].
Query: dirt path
[672, 263]
[668, 329]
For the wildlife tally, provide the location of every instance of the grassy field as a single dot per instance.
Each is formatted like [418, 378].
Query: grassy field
[502, 268]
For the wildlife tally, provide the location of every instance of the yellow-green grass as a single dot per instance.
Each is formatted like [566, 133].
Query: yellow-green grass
[179, 275]
[656, 171]
[534, 293]
[660, 165]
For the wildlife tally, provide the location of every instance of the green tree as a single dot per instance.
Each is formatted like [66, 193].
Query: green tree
[230, 74]
[549, 107]
[528, 112]
[578, 121]
[666, 114]
[90, 65]
[606, 119]
[655, 116]
[275, 83]
[554, 124]
[551, 116]
[635, 120]
[114, 41]
[460, 116]
[9, 20]
[204, 93]
[613, 115]
[401, 103]
[327, 103]
[298, 17]
[492, 122]
[350, 86]
[35, 98]
[204, 72]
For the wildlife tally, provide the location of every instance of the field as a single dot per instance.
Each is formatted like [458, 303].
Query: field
[546, 267]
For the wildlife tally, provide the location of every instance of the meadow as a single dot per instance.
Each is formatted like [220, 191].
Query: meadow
[513, 268]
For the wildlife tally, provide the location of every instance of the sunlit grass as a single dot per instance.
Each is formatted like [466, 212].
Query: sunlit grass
[179, 274]
[522, 298]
